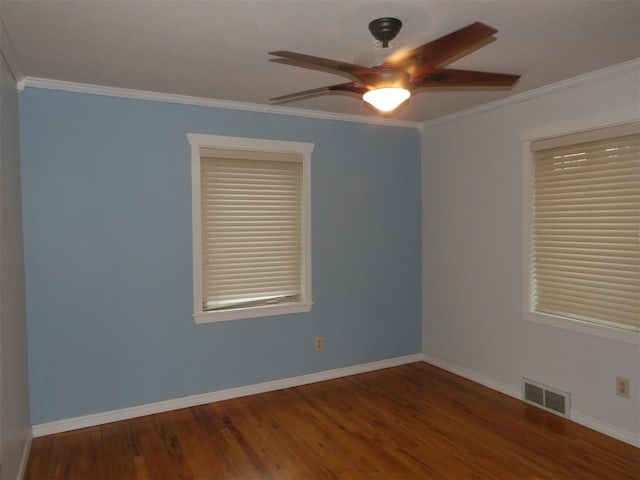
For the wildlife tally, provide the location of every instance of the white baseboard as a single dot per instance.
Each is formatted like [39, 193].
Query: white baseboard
[22, 468]
[476, 377]
[581, 418]
[192, 400]
[603, 427]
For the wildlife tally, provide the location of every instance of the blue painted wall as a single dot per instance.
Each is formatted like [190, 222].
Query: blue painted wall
[107, 226]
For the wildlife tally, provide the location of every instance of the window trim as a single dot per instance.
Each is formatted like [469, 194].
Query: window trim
[608, 119]
[197, 141]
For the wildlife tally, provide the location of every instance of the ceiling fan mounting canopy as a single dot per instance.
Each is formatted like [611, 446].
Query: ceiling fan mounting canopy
[410, 69]
[385, 29]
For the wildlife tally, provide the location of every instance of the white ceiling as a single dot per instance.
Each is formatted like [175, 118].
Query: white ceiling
[218, 49]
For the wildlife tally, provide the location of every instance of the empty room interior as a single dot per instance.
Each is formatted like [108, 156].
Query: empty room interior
[320, 239]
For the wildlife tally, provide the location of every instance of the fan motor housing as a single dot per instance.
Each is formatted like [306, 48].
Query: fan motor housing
[390, 78]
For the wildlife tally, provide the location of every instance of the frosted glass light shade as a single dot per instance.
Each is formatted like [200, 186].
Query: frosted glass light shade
[386, 99]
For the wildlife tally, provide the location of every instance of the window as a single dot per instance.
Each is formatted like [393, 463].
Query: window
[584, 230]
[251, 227]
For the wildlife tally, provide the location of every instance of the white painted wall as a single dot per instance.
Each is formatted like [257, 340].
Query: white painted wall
[473, 252]
[15, 424]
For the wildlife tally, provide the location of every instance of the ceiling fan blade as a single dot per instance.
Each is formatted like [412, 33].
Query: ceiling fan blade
[445, 49]
[317, 68]
[349, 87]
[344, 87]
[358, 72]
[447, 77]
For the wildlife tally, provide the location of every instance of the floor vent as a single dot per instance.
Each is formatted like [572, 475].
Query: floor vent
[546, 397]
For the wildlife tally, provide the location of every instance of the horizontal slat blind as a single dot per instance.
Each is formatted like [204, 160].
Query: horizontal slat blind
[586, 229]
[251, 228]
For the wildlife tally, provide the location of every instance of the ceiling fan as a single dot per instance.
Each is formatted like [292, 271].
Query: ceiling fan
[390, 83]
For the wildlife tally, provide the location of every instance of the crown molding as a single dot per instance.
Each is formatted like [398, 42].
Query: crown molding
[624, 67]
[49, 84]
[74, 87]
[9, 55]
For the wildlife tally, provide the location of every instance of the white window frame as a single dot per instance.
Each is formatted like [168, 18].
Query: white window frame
[260, 145]
[608, 119]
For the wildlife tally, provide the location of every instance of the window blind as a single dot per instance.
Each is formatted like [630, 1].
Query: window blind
[586, 227]
[251, 228]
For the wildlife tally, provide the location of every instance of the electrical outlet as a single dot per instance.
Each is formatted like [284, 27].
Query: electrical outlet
[319, 343]
[622, 387]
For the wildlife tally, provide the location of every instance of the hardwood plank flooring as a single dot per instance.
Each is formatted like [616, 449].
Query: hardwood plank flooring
[410, 422]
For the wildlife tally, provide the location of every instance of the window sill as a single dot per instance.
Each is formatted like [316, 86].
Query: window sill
[586, 328]
[251, 312]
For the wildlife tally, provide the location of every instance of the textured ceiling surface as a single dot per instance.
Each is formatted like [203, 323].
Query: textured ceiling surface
[218, 48]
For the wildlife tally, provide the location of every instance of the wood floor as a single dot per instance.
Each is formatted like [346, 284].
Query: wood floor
[410, 422]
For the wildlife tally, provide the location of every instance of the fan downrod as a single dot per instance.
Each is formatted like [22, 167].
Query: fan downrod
[385, 29]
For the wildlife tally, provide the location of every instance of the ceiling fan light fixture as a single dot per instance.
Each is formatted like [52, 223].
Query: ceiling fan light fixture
[386, 99]
[386, 85]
